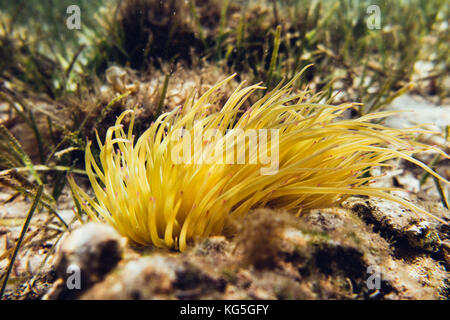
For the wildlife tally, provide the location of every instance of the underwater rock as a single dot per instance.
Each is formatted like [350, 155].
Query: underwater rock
[89, 253]
[158, 277]
[391, 220]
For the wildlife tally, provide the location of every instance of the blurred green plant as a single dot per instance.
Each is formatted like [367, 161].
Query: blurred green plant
[263, 41]
[371, 66]
[38, 51]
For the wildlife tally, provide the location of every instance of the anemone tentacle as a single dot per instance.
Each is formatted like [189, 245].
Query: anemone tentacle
[322, 160]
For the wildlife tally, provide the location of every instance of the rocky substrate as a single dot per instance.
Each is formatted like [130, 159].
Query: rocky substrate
[365, 249]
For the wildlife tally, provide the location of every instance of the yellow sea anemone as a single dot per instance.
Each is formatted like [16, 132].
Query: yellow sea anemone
[174, 184]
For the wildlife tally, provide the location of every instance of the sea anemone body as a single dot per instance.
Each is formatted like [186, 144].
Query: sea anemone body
[155, 198]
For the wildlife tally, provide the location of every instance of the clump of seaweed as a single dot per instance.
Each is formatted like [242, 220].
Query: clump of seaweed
[153, 198]
[261, 237]
[144, 32]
